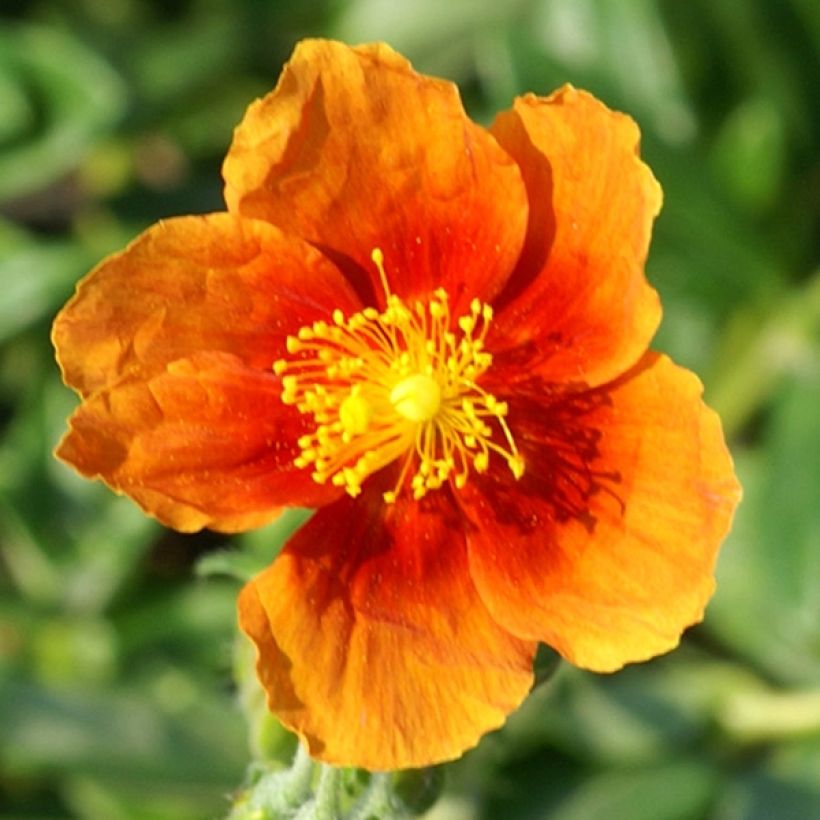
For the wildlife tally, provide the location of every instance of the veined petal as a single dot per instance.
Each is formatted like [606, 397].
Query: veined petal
[581, 309]
[373, 643]
[354, 150]
[193, 284]
[205, 443]
[605, 549]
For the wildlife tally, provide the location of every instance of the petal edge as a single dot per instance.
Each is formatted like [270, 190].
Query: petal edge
[617, 575]
[578, 307]
[373, 644]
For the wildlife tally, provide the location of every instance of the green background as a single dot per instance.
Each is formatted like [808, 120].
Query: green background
[117, 638]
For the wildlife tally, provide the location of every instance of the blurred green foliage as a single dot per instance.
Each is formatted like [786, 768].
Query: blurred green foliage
[115, 655]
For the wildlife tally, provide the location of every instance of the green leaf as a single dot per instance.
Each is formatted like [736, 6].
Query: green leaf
[110, 734]
[36, 276]
[633, 717]
[763, 347]
[675, 791]
[749, 154]
[440, 38]
[767, 605]
[257, 548]
[75, 96]
[194, 622]
[784, 785]
[228, 562]
[264, 544]
[93, 798]
[539, 788]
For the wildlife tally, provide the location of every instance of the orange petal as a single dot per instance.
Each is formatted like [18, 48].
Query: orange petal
[354, 150]
[605, 549]
[205, 443]
[192, 284]
[583, 310]
[373, 643]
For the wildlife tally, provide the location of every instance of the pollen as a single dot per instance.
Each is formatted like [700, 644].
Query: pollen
[397, 385]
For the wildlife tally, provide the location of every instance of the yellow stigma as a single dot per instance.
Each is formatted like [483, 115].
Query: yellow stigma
[397, 384]
[417, 398]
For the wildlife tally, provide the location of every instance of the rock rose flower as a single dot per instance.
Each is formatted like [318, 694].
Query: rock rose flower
[436, 334]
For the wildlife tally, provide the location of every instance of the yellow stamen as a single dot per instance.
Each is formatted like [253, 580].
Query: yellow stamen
[397, 384]
[355, 413]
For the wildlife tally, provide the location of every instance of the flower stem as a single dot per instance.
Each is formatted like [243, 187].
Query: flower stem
[375, 802]
[325, 804]
[281, 793]
[327, 793]
[299, 776]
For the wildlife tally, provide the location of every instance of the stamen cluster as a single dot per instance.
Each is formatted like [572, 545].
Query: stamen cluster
[397, 384]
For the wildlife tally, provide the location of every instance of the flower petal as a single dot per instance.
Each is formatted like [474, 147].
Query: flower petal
[354, 150]
[580, 307]
[605, 548]
[205, 443]
[192, 284]
[373, 643]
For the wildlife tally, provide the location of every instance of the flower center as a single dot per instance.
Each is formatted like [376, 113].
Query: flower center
[417, 398]
[397, 384]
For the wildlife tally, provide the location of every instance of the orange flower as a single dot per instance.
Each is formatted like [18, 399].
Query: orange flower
[436, 334]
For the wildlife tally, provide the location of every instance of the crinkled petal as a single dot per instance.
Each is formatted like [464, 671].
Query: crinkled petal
[580, 307]
[354, 150]
[373, 643]
[193, 284]
[606, 546]
[205, 443]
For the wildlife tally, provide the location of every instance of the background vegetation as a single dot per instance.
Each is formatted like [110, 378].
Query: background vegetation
[116, 694]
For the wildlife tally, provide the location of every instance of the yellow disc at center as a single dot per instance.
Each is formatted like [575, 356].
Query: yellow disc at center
[417, 397]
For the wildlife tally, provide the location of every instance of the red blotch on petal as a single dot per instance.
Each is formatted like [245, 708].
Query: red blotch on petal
[578, 308]
[373, 643]
[605, 549]
[206, 443]
[354, 150]
[189, 285]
